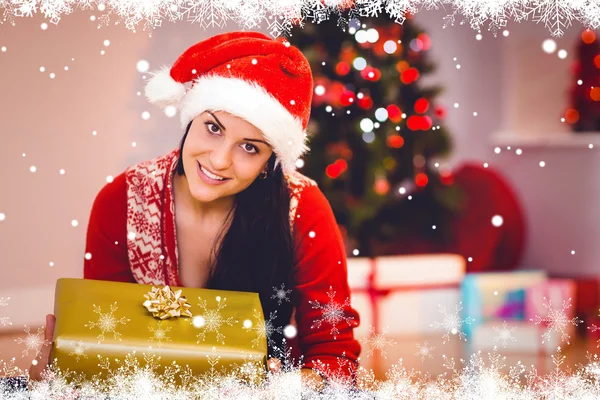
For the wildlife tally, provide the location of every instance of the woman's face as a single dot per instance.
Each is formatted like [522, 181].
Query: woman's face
[222, 155]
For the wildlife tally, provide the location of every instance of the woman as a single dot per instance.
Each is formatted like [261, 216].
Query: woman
[227, 210]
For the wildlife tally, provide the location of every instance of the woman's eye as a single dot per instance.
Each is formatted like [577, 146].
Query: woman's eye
[250, 148]
[211, 126]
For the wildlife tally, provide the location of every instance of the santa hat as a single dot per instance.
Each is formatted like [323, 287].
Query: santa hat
[267, 82]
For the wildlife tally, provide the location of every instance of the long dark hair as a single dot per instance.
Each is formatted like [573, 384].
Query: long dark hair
[257, 251]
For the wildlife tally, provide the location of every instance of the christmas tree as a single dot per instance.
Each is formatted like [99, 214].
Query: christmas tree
[584, 111]
[376, 132]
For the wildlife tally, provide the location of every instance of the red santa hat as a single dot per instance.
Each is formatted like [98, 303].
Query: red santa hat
[265, 81]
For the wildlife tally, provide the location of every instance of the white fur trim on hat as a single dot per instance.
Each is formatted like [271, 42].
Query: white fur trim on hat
[163, 90]
[250, 101]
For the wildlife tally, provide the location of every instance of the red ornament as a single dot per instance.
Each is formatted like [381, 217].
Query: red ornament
[421, 179]
[334, 93]
[588, 36]
[365, 103]
[342, 68]
[394, 113]
[342, 164]
[440, 112]
[425, 41]
[421, 106]
[370, 74]
[409, 75]
[347, 98]
[336, 169]
[413, 123]
[395, 141]
[333, 171]
[426, 123]
[571, 116]
[382, 186]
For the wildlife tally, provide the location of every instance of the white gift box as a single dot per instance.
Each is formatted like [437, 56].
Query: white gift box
[402, 294]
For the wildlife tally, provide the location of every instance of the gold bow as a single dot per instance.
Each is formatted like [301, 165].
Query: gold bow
[164, 303]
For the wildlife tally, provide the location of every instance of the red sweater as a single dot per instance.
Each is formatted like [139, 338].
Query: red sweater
[131, 237]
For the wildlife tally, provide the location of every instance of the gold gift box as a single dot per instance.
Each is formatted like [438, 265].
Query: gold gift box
[101, 321]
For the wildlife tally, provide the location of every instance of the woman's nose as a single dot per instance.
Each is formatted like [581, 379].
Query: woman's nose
[220, 158]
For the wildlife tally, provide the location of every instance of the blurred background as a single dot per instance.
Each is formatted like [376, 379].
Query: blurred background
[460, 168]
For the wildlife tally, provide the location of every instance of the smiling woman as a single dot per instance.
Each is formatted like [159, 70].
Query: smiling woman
[227, 210]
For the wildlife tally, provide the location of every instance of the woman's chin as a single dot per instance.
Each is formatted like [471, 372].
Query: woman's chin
[204, 197]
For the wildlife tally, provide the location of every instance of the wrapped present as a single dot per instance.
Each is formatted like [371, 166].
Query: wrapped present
[98, 322]
[495, 296]
[414, 284]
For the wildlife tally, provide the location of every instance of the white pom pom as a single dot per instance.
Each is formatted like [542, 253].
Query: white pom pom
[163, 90]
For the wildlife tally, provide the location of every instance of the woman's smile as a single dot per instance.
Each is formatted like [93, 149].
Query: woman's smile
[209, 177]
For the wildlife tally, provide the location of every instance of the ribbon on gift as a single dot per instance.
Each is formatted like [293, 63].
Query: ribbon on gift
[375, 293]
[164, 303]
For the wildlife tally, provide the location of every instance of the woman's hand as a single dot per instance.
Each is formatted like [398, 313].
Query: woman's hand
[309, 378]
[43, 360]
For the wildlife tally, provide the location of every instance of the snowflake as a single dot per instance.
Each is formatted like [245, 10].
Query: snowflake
[452, 323]
[377, 341]
[595, 328]
[556, 15]
[79, 350]
[212, 320]
[33, 341]
[280, 16]
[3, 303]
[263, 331]
[107, 323]
[281, 294]
[159, 334]
[504, 334]
[424, 351]
[333, 313]
[556, 320]
[10, 369]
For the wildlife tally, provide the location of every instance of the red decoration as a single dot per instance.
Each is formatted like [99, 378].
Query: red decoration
[440, 112]
[365, 103]
[409, 75]
[421, 106]
[426, 123]
[395, 141]
[382, 186]
[347, 98]
[336, 169]
[370, 74]
[342, 68]
[571, 116]
[588, 36]
[333, 171]
[424, 38]
[413, 123]
[394, 113]
[343, 164]
[421, 179]
[419, 123]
